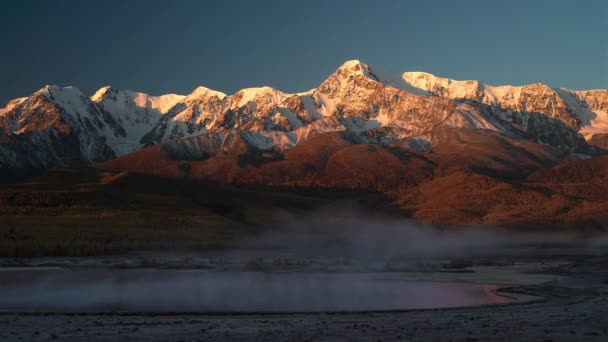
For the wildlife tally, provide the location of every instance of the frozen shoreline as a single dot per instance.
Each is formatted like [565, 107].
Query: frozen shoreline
[575, 307]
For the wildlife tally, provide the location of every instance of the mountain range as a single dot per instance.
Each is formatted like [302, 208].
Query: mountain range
[433, 145]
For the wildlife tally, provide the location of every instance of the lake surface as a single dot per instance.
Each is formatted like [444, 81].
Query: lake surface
[211, 291]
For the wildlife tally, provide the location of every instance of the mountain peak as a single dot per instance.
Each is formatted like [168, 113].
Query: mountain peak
[48, 88]
[61, 95]
[445, 87]
[12, 104]
[424, 77]
[264, 89]
[100, 93]
[250, 94]
[203, 92]
[356, 67]
[411, 75]
[351, 63]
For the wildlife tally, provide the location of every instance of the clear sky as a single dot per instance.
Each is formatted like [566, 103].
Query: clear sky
[173, 46]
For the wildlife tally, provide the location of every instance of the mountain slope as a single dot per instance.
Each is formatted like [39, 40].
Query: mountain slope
[47, 128]
[463, 177]
[130, 115]
[583, 111]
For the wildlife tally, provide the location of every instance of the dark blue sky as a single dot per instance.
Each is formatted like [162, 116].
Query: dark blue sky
[174, 46]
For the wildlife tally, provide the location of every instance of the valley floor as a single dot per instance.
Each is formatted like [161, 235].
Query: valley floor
[574, 308]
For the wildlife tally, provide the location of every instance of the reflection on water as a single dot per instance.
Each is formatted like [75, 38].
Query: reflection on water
[172, 290]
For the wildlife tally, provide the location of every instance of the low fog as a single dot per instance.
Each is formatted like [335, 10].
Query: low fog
[335, 259]
[345, 231]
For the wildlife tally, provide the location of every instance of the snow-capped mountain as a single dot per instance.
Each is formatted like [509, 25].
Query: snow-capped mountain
[586, 111]
[360, 98]
[130, 115]
[53, 127]
[59, 126]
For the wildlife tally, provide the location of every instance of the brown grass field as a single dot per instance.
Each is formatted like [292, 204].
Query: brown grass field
[87, 212]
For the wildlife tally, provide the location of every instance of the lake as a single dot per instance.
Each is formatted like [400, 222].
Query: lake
[95, 290]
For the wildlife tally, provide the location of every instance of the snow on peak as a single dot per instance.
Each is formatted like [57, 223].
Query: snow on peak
[100, 93]
[351, 63]
[204, 92]
[445, 87]
[355, 67]
[165, 102]
[120, 99]
[506, 96]
[250, 94]
[69, 98]
[55, 90]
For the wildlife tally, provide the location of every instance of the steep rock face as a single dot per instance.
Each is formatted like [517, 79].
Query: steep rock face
[36, 150]
[35, 113]
[353, 98]
[354, 91]
[375, 103]
[252, 109]
[535, 126]
[539, 98]
[549, 115]
[533, 98]
[593, 108]
[46, 128]
[187, 118]
[596, 100]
